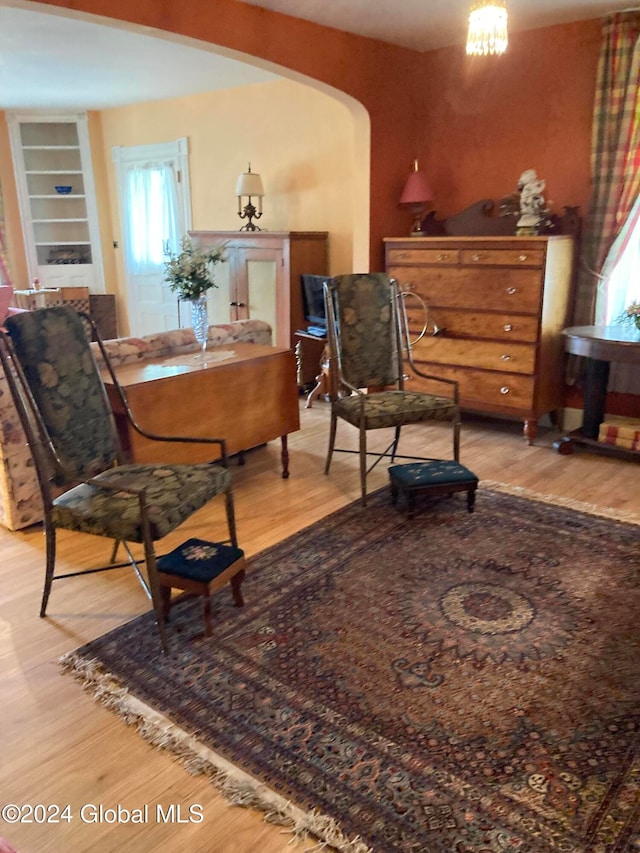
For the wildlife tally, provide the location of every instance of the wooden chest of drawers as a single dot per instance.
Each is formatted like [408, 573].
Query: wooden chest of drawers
[500, 304]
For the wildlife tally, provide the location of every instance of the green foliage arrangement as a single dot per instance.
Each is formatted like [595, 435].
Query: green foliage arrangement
[633, 312]
[190, 273]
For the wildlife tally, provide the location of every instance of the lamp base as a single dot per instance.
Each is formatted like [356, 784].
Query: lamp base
[419, 212]
[249, 212]
[417, 231]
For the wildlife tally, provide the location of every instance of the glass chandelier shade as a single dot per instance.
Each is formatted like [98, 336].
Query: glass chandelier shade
[487, 28]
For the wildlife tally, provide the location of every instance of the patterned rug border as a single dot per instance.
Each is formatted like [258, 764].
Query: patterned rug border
[236, 786]
[557, 500]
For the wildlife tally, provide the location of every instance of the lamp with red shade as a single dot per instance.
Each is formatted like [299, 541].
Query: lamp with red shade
[416, 195]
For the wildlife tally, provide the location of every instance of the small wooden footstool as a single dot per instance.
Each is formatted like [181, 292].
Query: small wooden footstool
[431, 478]
[201, 567]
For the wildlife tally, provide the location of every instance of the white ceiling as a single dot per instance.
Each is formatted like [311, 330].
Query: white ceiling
[53, 61]
[49, 59]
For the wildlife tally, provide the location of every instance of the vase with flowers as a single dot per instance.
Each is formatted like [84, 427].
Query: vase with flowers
[190, 275]
[632, 314]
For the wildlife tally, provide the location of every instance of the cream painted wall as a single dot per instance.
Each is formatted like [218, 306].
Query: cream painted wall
[300, 141]
[16, 257]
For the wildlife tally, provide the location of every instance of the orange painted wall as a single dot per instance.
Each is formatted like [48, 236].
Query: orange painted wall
[475, 124]
[487, 119]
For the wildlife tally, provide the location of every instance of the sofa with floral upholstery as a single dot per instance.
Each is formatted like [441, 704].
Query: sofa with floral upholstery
[19, 496]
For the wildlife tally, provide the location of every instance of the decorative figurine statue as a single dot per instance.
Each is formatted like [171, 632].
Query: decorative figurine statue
[533, 210]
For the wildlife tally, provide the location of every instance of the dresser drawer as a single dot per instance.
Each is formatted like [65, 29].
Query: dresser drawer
[510, 357]
[502, 257]
[422, 256]
[499, 303]
[504, 290]
[485, 390]
[474, 324]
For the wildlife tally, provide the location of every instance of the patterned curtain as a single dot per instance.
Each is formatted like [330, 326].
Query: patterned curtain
[615, 155]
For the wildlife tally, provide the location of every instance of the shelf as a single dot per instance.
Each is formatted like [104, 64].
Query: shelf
[61, 230]
[50, 221]
[66, 243]
[50, 148]
[565, 446]
[60, 195]
[54, 172]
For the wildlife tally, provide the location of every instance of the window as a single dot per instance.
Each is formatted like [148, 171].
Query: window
[150, 205]
[620, 285]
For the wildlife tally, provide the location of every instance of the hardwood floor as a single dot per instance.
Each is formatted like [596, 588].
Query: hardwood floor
[58, 746]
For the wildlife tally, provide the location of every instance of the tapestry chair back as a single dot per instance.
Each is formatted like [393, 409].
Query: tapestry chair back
[85, 481]
[70, 404]
[367, 334]
[368, 345]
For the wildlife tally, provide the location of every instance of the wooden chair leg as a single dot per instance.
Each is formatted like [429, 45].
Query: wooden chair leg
[165, 594]
[157, 590]
[471, 499]
[236, 582]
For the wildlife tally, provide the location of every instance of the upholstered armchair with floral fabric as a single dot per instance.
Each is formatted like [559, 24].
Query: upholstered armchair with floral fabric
[85, 484]
[366, 331]
[20, 504]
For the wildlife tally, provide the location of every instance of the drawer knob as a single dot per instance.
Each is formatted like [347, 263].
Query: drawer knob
[402, 256]
[504, 389]
[508, 327]
[477, 257]
[523, 258]
[442, 257]
[512, 290]
[505, 357]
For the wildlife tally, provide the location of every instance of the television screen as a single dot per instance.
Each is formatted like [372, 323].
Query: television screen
[313, 300]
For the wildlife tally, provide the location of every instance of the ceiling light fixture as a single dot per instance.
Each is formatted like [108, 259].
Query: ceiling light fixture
[487, 28]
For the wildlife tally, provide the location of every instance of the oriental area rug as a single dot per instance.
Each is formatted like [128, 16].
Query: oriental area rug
[455, 683]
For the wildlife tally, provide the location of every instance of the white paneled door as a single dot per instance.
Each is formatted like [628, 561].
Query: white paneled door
[155, 212]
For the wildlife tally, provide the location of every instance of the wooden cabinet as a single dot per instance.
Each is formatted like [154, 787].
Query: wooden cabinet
[498, 305]
[60, 228]
[261, 276]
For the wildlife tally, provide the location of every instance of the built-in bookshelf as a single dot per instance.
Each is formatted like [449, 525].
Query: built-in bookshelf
[54, 177]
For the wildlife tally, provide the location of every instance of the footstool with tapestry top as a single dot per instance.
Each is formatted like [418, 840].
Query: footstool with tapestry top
[431, 478]
[200, 567]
